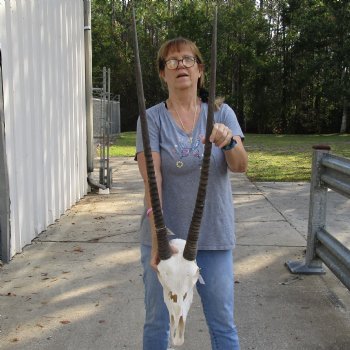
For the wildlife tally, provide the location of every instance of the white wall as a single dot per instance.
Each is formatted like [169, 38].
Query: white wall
[42, 44]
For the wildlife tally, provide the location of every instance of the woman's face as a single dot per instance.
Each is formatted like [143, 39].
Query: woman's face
[181, 78]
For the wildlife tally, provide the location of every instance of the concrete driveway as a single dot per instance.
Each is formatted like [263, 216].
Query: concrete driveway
[79, 285]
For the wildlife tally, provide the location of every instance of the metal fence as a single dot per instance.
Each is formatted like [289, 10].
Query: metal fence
[328, 172]
[106, 109]
[100, 106]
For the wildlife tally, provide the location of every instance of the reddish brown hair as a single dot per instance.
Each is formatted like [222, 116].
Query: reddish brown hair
[176, 45]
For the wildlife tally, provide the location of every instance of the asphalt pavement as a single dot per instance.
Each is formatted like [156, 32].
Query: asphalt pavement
[78, 286]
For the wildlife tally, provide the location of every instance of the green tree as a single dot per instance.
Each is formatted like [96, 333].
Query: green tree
[283, 65]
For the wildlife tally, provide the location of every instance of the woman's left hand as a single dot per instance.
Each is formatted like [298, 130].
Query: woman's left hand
[221, 135]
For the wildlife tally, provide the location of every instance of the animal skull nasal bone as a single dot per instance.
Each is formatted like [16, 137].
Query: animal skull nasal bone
[173, 297]
[181, 326]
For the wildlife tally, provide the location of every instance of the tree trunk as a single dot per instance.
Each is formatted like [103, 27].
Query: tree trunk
[344, 116]
[240, 98]
[345, 105]
[284, 76]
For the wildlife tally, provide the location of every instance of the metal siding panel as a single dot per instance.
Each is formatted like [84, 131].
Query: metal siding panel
[31, 128]
[37, 131]
[44, 104]
[78, 30]
[4, 184]
[51, 111]
[28, 171]
[76, 102]
[73, 103]
[83, 150]
[44, 112]
[11, 125]
[2, 17]
[7, 58]
[66, 146]
[57, 131]
[22, 151]
[71, 121]
[82, 106]
[60, 100]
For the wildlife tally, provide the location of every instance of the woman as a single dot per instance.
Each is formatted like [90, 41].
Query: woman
[177, 128]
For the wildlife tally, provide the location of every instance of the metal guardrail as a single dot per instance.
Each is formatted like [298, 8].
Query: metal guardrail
[328, 171]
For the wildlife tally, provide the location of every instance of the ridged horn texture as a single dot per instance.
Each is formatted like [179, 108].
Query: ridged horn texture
[190, 251]
[164, 250]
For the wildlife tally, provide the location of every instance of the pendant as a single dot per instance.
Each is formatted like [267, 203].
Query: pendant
[179, 164]
[190, 139]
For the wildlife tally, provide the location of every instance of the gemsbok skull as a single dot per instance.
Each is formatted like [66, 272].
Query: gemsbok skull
[178, 277]
[178, 273]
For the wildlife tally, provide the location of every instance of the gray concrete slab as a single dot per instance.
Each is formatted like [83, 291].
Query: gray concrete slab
[280, 234]
[241, 185]
[79, 284]
[279, 311]
[295, 208]
[72, 296]
[255, 208]
[99, 228]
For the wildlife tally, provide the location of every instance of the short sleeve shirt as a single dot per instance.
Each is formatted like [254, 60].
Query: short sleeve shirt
[181, 159]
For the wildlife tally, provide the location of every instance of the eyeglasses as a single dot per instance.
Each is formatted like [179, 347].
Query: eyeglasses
[187, 62]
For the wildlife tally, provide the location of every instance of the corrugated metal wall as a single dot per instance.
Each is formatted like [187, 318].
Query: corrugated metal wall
[42, 44]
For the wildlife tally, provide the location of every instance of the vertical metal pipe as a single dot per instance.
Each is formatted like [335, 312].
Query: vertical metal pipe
[88, 86]
[108, 125]
[101, 134]
[119, 129]
[103, 123]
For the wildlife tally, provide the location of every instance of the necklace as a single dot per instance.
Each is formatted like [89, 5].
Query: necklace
[182, 124]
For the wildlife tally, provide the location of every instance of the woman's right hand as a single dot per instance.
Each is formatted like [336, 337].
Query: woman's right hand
[155, 257]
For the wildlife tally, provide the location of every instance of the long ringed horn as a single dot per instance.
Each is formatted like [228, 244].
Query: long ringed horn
[164, 250]
[190, 251]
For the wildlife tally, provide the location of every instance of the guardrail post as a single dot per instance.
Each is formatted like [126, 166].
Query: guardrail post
[317, 217]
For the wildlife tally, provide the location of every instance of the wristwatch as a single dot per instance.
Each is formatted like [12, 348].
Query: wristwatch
[231, 145]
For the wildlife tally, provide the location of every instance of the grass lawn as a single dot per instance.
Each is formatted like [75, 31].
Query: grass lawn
[288, 157]
[124, 146]
[271, 157]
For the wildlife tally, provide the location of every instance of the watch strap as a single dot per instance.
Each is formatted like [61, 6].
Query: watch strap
[231, 145]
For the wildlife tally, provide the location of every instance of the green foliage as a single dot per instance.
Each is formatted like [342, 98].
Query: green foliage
[271, 157]
[283, 65]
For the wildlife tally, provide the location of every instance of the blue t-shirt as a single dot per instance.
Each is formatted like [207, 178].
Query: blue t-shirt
[181, 162]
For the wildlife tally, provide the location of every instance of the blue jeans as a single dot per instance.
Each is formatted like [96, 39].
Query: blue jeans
[216, 294]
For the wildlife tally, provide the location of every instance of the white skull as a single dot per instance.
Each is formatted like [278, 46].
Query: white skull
[178, 277]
